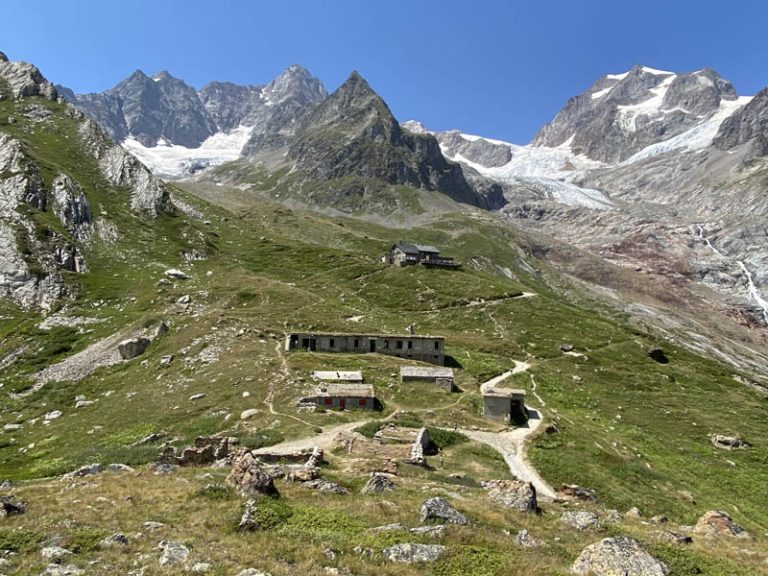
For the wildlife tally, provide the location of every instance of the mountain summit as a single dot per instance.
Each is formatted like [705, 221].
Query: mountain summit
[353, 133]
[621, 114]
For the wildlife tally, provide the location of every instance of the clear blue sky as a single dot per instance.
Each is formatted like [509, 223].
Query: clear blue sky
[496, 68]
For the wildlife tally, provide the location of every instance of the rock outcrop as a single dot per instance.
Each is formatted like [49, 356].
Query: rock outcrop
[512, 494]
[249, 478]
[441, 510]
[414, 553]
[619, 556]
[718, 524]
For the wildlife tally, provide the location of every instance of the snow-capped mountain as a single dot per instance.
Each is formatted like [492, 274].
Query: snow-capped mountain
[176, 130]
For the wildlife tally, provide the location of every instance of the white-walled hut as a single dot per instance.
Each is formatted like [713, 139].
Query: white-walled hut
[343, 396]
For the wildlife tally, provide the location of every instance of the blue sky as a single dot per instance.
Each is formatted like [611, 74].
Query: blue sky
[496, 68]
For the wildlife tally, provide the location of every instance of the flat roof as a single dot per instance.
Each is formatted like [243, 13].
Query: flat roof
[504, 392]
[344, 389]
[426, 372]
[360, 335]
[338, 375]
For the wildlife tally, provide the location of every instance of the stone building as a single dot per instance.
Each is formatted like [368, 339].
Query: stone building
[425, 348]
[343, 396]
[441, 377]
[506, 405]
[404, 254]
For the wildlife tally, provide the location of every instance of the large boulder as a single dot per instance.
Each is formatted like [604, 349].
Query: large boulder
[249, 478]
[11, 506]
[513, 494]
[580, 519]
[172, 553]
[728, 442]
[619, 556]
[133, 347]
[576, 492]
[377, 484]
[439, 509]
[716, 524]
[414, 553]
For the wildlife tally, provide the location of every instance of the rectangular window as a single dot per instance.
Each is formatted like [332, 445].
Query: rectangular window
[386, 343]
[437, 345]
[410, 345]
[363, 401]
[357, 343]
[328, 401]
[332, 342]
[399, 344]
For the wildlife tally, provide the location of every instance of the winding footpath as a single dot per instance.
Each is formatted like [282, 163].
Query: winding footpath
[510, 444]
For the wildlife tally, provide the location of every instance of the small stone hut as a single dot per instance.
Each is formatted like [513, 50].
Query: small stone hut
[343, 396]
[506, 405]
[440, 376]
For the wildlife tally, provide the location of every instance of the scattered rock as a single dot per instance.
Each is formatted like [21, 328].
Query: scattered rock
[248, 521]
[198, 396]
[172, 553]
[524, 540]
[248, 414]
[53, 415]
[578, 493]
[11, 506]
[12, 427]
[686, 495]
[634, 513]
[414, 553]
[164, 282]
[364, 551]
[87, 470]
[675, 537]
[252, 572]
[580, 519]
[512, 494]
[54, 553]
[133, 347]
[207, 450]
[440, 509]
[201, 568]
[249, 478]
[152, 526]
[176, 274]
[566, 347]
[325, 486]
[659, 519]
[612, 517]
[162, 468]
[377, 484]
[728, 442]
[618, 556]
[119, 468]
[162, 329]
[6, 485]
[657, 355]
[388, 527]
[117, 539]
[437, 531]
[61, 570]
[716, 524]
[166, 360]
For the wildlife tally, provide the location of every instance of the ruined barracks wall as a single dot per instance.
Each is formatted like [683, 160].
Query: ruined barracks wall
[425, 348]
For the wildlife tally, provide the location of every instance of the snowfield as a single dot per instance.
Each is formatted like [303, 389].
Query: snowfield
[173, 161]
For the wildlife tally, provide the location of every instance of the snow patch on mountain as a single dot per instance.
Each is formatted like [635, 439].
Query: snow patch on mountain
[546, 171]
[174, 161]
[698, 137]
[629, 114]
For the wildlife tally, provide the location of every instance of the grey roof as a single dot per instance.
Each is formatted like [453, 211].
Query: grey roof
[338, 375]
[346, 390]
[416, 248]
[425, 372]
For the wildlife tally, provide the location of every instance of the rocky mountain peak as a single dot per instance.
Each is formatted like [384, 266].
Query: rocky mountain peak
[295, 82]
[23, 79]
[749, 124]
[620, 114]
[3, 57]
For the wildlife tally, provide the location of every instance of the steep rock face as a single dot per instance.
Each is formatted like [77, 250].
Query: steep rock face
[623, 113]
[479, 151]
[25, 79]
[353, 133]
[36, 253]
[750, 124]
